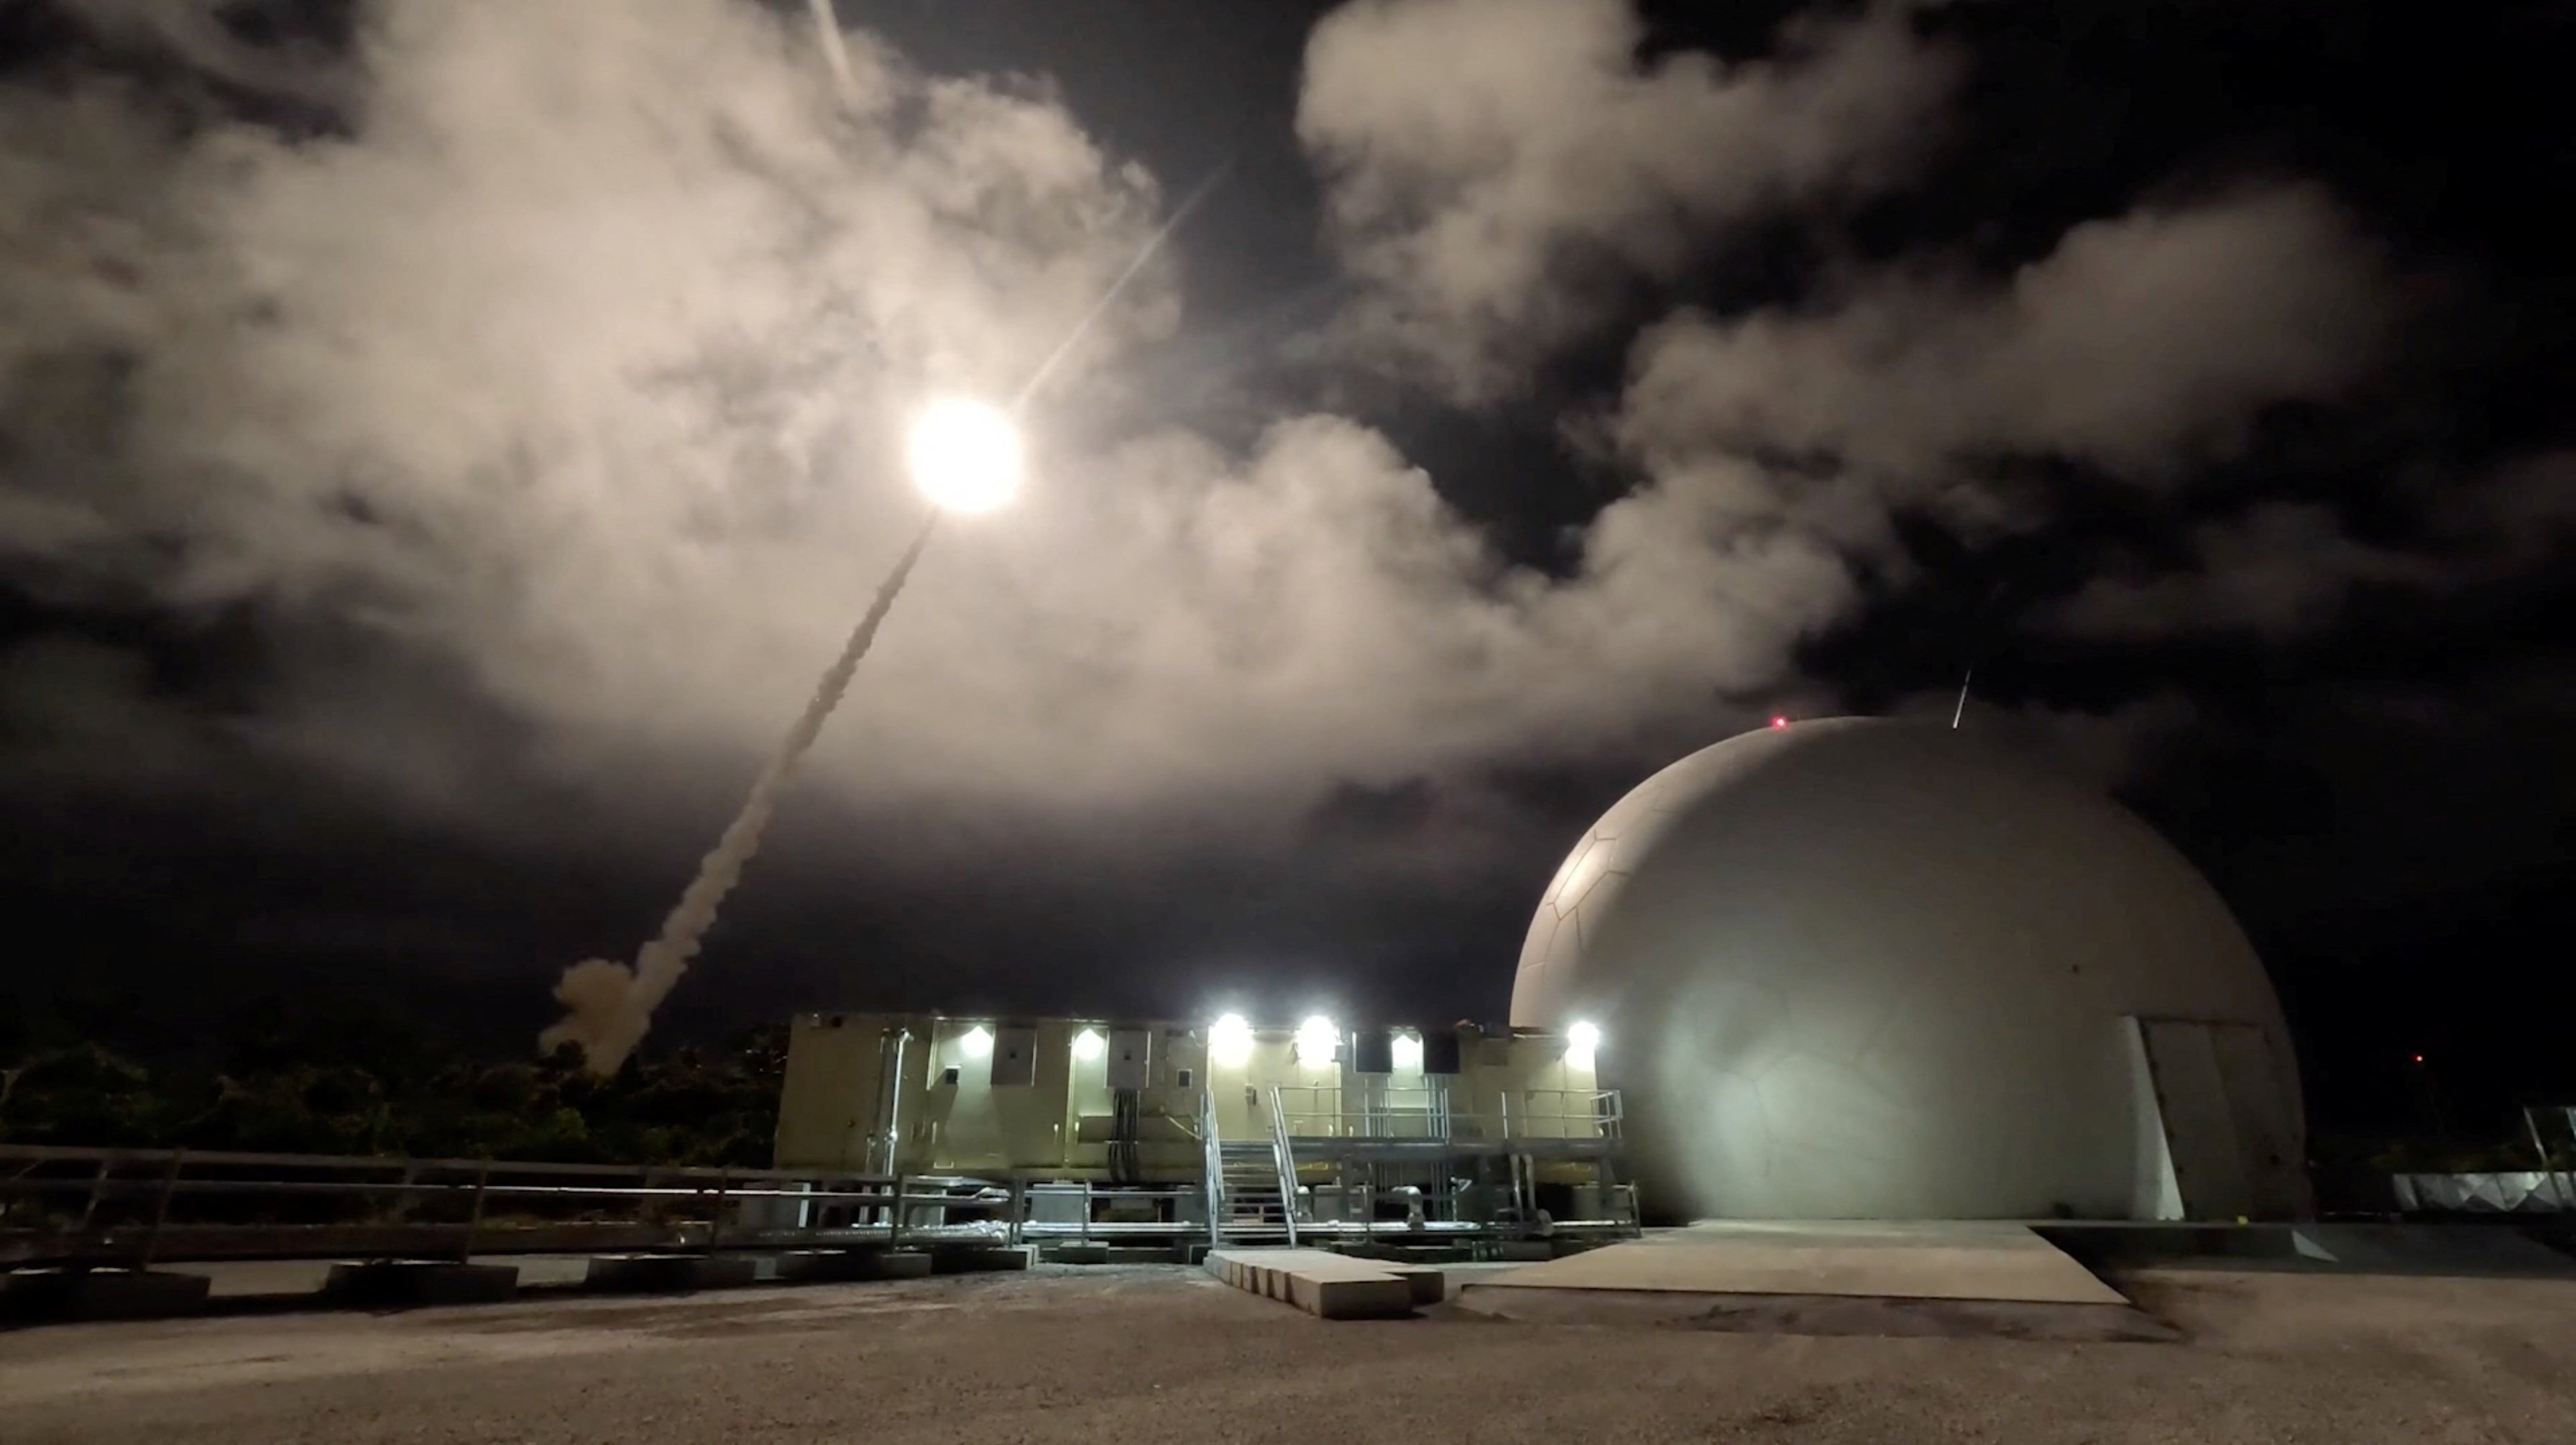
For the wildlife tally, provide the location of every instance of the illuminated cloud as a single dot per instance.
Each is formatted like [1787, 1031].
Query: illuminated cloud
[1494, 213]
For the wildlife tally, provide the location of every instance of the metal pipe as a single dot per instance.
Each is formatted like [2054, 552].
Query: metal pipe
[894, 1107]
[391, 1164]
[715, 1221]
[2531, 1122]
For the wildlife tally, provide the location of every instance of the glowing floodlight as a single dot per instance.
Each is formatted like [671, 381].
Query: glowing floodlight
[977, 1042]
[1317, 1038]
[1407, 1051]
[965, 455]
[1089, 1045]
[1230, 1042]
[1582, 1042]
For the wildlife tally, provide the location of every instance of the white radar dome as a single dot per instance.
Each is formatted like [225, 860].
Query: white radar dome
[1867, 969]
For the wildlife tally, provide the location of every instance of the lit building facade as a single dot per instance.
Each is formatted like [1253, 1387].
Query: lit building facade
[1304, 1129]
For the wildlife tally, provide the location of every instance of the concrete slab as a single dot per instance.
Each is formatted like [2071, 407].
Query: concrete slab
[1973, 1260]
[986, 1259]
[661, 1273]
[2492, 1249]
[1815, 1314]
[99, 1294]
[2473, 1250]
[2111, 1243]
[815, 1266]
[1074, 1252]
[1974, 1278]
[1328, 1286]
[382, 1282]
[1429, 1285]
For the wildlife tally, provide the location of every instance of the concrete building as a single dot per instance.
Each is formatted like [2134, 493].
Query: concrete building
[1866, 969]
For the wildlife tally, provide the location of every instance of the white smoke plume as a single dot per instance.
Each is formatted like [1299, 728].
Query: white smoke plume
[608, 1006]
[836, 51]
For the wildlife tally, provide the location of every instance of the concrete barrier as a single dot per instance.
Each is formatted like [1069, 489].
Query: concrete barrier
[381, 1282]
[1328, 1286]
[100, 1294]
[668, 1273]
[819, 1266]
[983, 1259]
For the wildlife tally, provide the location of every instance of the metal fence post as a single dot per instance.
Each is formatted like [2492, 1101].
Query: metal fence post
[474, 1215]
[97, 1186]
[161, 1209]
[715, 1221]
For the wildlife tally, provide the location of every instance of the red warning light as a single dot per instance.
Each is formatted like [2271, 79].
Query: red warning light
[1779, 722]
[2419, 1058]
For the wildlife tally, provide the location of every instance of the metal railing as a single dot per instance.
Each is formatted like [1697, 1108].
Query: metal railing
[1211, 1168]
[133, 1206]
[1085, 1228]
[1283, 1157]
[1328, 1111]
[2562, 1184]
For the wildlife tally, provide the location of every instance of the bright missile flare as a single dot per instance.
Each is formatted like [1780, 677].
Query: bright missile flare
[965, 455]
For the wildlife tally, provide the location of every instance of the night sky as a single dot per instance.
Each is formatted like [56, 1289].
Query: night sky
[441, 440]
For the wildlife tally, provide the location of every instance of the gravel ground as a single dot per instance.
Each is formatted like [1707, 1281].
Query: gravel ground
[1143, 1356]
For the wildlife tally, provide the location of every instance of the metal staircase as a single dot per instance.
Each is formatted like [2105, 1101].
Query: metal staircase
[1255, 1208]
[1251, 1184]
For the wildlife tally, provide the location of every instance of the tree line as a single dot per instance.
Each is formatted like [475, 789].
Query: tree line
[688, 1105]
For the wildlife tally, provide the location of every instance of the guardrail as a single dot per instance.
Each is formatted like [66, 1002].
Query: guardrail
[1329, 1111]
[133, 1206]
[1211, 1171]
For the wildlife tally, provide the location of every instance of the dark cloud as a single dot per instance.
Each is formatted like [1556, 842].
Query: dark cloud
[2286, 570]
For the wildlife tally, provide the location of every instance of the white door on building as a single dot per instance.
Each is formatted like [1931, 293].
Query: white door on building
[2226, 1119]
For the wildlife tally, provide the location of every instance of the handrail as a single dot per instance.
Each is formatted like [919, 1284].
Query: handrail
[1283, 1156]
[220, 1159]
[90, 1203]
[1395, 1114]
[1211, 1168]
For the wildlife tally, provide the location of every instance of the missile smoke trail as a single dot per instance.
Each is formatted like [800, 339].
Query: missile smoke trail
[607, 1005]
[835, 52]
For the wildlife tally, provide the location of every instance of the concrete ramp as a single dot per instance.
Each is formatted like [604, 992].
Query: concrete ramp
[1824, 1278]
[1327, 1285]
